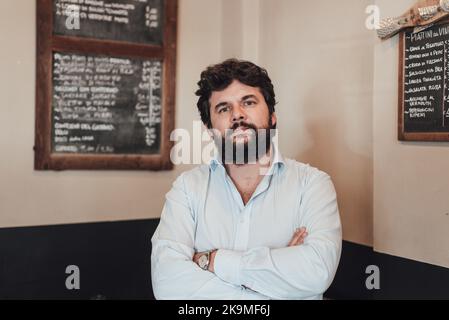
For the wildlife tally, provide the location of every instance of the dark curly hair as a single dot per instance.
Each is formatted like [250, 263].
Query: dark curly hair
[218, 77]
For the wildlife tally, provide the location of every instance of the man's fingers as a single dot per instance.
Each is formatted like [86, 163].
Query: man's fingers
[298, 236]
[301, 239]
[293, 239]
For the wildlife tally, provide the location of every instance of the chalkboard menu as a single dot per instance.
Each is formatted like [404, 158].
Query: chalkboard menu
[105, 104]
[137, 21]
[105, 83]
[424, 84]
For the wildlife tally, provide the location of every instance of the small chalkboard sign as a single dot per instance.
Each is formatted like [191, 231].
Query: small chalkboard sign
[138, 21]
[105, 84]
[424, 84]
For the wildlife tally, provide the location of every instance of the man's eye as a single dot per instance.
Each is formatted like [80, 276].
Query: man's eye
[249, 102]
[224, 109]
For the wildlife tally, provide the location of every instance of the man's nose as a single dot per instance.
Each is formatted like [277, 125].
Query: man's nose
[238, 114]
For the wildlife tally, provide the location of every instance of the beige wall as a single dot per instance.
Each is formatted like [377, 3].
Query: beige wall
[28, 197]
[323, 81]
[241, 29]
[337, 91]
[320, 57]
[411, 180]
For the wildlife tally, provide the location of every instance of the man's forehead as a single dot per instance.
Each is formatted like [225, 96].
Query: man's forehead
[236, 90]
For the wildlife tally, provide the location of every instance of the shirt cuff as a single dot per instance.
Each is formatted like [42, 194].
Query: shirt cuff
[227, 265]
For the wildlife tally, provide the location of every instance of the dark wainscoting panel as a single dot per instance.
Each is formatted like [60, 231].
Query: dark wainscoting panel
[113, 259]
[114, 263]
[400, 278]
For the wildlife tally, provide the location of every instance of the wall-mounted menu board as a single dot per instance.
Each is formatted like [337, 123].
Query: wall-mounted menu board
[104, 104]
[105, 89]
[424, 84]
[138, 21]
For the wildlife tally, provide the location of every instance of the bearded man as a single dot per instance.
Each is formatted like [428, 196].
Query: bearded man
[250, 224]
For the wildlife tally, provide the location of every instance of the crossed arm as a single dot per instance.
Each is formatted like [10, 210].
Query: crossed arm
[296, 240]
[303, 269]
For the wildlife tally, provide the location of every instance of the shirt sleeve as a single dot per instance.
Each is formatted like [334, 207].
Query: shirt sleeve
[173, 273]
[297, 272]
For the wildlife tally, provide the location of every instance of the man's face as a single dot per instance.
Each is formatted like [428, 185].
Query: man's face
[238, 112]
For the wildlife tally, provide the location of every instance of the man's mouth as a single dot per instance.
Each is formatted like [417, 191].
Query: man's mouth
[239, 131]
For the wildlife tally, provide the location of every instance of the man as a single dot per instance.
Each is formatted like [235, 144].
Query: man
[231, 230]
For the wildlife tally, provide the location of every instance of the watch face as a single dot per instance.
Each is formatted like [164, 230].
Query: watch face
[202, 262]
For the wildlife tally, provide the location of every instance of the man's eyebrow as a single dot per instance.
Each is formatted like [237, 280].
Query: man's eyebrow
[221, 104]
[249, 96]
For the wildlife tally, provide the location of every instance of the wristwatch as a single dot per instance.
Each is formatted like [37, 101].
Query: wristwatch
[204, 260]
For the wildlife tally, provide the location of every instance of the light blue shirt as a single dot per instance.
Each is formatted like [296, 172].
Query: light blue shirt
[204, 211]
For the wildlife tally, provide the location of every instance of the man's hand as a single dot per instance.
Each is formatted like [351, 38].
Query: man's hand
[298, 237]
[197, 256]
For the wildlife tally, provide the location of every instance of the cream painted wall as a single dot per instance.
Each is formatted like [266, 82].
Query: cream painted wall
[411, 179]
[320, 57]
[323, 120]
[337, 91]
[241, 29]
[28, 197]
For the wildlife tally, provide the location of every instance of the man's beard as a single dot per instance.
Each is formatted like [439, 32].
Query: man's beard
[256, 145]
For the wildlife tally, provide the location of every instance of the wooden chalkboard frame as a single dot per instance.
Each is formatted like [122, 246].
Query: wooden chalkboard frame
[402, 134]
[47, 43]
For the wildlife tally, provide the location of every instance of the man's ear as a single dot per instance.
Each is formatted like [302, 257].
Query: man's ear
[273, 119]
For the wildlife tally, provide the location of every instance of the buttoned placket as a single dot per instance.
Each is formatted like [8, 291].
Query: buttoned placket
[243, 217]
